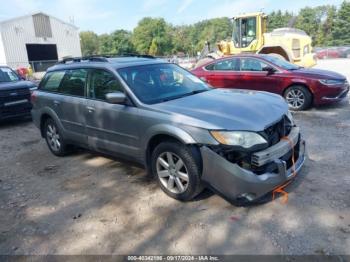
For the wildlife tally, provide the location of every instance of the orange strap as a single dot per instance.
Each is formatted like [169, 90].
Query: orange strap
[280, 189]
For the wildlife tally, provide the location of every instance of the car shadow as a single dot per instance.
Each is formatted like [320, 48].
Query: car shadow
[8, 123]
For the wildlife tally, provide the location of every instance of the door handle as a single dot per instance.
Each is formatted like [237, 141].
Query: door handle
[56, 103]
[90, 109]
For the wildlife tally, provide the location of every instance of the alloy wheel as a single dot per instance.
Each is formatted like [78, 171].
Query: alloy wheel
[172, 172]
[295, 98]
[53, 137]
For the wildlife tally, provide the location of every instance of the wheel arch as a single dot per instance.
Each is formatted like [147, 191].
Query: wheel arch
[277, 50]
[47, 113]
[298, 84]
[303, 85]
[164, 133]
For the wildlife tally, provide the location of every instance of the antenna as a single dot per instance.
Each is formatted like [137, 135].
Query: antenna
[71, 19]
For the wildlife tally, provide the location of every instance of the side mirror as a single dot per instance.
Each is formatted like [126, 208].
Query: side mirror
[116, 98]
[269, 69]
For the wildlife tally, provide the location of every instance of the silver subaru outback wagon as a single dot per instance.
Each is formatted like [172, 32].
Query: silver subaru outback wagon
[241, 144]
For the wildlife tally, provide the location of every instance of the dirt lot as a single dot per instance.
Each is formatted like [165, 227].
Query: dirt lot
[88, 204]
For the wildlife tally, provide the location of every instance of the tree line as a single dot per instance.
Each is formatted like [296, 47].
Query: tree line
[326, 24]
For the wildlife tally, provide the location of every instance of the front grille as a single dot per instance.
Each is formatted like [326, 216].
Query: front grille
[274, 133]
[14, 95]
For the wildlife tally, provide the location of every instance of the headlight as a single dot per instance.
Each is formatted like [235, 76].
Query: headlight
[331, 82]
[33, 88]
[239, 138]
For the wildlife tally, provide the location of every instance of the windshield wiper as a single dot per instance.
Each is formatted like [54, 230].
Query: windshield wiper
[183, 95]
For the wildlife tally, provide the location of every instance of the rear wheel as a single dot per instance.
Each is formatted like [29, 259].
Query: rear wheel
[298, 98]
[177, 169]
[54, 138]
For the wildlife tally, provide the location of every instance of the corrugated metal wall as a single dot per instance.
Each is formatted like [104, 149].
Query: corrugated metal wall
[17, 33]
[42, 25]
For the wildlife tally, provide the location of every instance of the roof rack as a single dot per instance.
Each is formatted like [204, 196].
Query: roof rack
[101, 58]
[80, 59]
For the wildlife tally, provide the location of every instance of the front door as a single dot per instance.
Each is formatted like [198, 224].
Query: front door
[110, 127]
[253, 76]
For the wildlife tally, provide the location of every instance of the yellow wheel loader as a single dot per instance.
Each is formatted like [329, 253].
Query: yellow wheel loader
[250, 36]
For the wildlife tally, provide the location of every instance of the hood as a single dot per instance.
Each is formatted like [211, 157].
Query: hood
[227, 109]
[16, 85]
[318, 73]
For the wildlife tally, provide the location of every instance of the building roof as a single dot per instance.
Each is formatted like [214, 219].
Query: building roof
[37, 13]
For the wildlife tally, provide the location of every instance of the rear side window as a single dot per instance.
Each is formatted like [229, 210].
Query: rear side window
[52, 81]
[70, 82]
[225, 65]
[73, 82]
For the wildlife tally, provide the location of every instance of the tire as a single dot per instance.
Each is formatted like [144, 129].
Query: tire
[54, 138]
[174, 163]
[298, 98]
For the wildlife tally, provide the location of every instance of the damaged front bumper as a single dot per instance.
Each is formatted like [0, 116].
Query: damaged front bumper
[240, 184]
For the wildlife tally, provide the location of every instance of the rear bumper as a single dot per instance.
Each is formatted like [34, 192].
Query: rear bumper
[235, 183]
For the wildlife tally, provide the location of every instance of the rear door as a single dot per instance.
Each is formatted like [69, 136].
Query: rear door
[64, 93]
[253, 76]
[224, 73]
[110, 127]
[72, 102]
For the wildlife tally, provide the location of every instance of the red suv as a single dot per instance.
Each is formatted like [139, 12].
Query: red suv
[301, 87]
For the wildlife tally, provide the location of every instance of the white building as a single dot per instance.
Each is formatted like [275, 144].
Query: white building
[38, 40]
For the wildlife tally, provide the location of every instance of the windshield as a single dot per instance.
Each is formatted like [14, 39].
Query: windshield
[281, 63]
[8, 75]
[161, 82]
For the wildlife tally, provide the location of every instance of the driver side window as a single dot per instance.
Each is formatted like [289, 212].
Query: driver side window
[251, 64]
[103, 82]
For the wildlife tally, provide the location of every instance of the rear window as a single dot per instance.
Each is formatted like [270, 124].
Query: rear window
[52, 81]
[224, 65]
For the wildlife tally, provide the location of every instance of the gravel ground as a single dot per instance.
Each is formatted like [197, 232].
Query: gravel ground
[89, 204]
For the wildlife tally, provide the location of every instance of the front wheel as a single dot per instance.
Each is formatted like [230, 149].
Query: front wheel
[298, 98]
[177, 169]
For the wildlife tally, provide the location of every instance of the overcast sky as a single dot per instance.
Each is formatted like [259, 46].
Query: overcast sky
[104, 16]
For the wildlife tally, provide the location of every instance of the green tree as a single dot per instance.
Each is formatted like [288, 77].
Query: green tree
[153, 50]
[147, 30]
[105, 44]
[121, 42]
[341, 28]
[278, 20]
[89, 43]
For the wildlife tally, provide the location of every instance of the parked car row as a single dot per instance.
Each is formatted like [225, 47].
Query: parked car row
[333, 52]
[241, 143]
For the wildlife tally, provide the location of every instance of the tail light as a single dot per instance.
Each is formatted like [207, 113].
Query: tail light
[32, 97]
